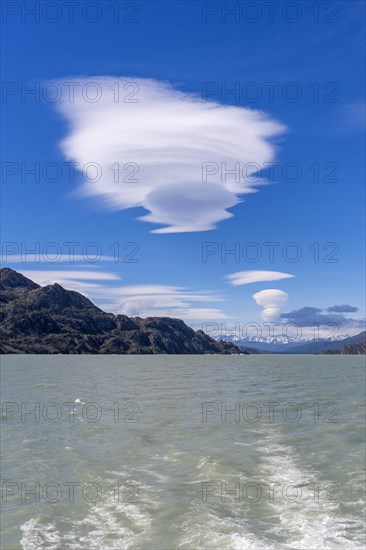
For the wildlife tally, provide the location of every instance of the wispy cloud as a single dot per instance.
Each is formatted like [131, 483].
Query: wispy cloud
[352, 116]
[144, 300]
[167, 134]
[38, 258]
[272, 301]
[247, 277]
[50, 277]
[159, 300]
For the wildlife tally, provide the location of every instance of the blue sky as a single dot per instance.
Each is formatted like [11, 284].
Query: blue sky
[177, 59]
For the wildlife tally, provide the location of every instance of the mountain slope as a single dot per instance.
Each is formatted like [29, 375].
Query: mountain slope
[348, 349]
[320, 346]
[51, 319]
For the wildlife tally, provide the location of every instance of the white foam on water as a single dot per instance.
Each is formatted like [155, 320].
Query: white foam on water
[37, 535]
[205, 462]
[301, 525]
[108, 524]
[214, 532]
[108, 527]
[142, 473]
[172, 456]
[250, 542]
[305, 523]
[216, 526]
[114, 522]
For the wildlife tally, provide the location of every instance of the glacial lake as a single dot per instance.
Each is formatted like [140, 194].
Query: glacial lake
[194, 452]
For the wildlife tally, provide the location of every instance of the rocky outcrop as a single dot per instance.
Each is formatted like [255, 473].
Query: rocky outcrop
[348, 349]
[51, 319]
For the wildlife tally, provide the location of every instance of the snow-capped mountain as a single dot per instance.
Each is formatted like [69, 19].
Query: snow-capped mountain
[278, 343]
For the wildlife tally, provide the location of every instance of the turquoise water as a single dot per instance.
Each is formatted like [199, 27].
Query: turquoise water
[157, 461]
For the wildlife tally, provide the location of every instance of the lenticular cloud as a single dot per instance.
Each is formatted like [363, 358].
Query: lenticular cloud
[272, 302]
[164, 150]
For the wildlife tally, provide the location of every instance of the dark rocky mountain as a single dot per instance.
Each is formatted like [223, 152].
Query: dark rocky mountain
[348, 349]
[51, 319]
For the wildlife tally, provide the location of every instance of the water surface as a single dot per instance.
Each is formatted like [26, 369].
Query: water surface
[160, 462]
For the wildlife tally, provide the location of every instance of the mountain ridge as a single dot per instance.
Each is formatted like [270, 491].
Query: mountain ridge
[51, 319]
[320, 346]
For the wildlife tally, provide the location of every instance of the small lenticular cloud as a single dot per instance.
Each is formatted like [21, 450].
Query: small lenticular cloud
[272, 301]
[247, 277]
[165, 137]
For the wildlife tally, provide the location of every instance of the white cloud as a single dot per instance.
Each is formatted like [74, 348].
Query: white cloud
[158, 300]
[50, 277]
[145, 300]
[52, 258]
[272, 301]
[247, 277]
[168, 134]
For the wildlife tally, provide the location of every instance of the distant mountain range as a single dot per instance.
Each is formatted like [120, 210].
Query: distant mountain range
[322, 345]
[50, 319]
[283, 344]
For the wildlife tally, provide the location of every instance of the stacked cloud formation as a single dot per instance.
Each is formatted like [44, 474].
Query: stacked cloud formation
[167, 135]
[272, 301]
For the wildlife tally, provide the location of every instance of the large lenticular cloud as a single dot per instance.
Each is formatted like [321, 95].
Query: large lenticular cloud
[168, 135]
